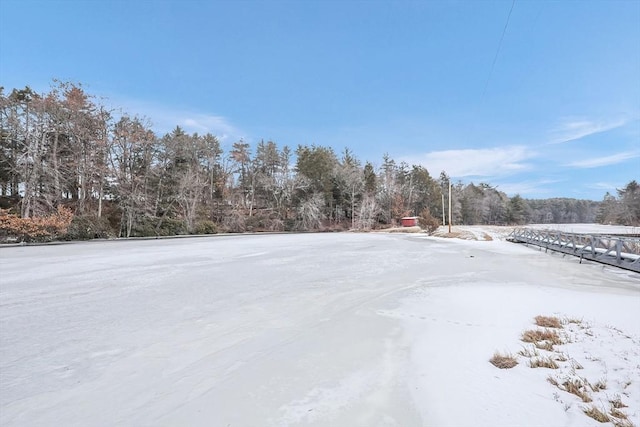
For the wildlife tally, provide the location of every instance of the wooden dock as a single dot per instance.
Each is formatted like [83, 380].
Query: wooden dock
[620, 251]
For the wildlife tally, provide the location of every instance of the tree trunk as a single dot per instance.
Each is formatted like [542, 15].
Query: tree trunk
[56, 174]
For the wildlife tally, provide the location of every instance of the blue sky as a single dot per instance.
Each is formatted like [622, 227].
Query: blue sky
[552, 111]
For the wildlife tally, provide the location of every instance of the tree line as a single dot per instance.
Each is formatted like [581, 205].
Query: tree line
[65, 149]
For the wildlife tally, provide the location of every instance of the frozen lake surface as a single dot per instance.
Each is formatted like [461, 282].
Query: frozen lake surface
[311, 329]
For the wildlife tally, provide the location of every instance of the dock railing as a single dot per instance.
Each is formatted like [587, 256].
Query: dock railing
[619, 251]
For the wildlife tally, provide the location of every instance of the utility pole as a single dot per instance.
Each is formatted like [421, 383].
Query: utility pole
[449, 205]
[443, 211]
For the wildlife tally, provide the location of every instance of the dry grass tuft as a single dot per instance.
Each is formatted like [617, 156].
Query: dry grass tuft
[560, 357]
[600, 385]
[573, 320]
[503, 361]
[618, 413]
[622, 423]
[578, 388]
[537, 335]
[415, 229]
[452, 235]
[617, 403]
[553, 381]
[529, 351]
[548, 322]
[544, 345]
[543, 362]
[596, 414]
[576, 365]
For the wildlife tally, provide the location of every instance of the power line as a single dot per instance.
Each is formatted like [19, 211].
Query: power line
[495, 58]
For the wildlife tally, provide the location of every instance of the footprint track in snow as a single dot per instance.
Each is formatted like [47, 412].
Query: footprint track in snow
[403, 315]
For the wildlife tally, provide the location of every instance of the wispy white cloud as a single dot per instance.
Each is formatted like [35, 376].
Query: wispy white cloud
[577, 128]
[602, 185]
[203, 123]
[528, 188]
[596, 162]
[605, 186]
[482, 162]
[165, 118]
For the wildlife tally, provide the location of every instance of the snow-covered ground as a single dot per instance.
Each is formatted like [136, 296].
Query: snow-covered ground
[314, 329]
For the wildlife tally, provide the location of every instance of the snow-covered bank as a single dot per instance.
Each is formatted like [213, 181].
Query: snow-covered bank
[323, 329]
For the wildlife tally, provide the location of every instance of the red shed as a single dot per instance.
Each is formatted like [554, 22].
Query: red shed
[409, 221]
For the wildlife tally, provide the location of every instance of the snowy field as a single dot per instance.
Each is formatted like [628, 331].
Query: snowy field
[313, 329]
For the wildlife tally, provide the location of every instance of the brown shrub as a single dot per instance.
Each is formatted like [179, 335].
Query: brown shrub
[36, 228]
[428, 222]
